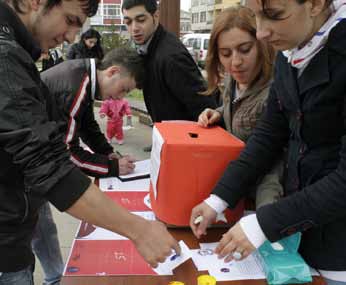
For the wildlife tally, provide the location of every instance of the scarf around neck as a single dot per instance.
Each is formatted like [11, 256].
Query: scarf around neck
[301, 57]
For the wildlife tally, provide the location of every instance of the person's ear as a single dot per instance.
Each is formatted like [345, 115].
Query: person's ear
[156, 16]
[317, 7]
[112, 70]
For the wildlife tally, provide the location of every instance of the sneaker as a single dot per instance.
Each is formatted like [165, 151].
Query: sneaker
[120, 142]
[147, 148]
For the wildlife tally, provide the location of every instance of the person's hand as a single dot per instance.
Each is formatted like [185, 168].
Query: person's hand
[155, 243]
[126, 165]
[233, 241]
[113, 156]
[208, 117]
[102, 115]
[208, 215]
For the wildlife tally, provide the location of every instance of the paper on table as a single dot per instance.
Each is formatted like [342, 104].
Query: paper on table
[205, 256]
[174, 260]
[155, 158]
[147, 201]
[90, 232]
[208, 245]
[248, 268]
[205, 259]
[142, 168]
[114, 184]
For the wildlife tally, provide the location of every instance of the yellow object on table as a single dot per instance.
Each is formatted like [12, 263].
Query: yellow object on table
[176, 283]
[206, 280]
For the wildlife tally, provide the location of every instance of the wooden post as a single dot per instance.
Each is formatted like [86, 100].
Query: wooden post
[170, 15]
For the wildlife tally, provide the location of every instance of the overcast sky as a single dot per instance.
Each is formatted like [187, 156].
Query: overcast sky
[185, 4]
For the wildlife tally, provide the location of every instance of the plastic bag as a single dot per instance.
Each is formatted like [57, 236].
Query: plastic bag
[282, 263]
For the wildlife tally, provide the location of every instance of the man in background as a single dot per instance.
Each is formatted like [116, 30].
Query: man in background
[173, 82]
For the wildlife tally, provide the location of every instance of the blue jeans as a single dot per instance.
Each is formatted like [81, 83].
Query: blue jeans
[332, 282]
[46, 247]
[22, 277]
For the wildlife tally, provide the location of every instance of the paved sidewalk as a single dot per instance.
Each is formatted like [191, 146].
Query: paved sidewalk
[135, 139]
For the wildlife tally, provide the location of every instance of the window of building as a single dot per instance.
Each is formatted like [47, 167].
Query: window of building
[195, 18]
[194, 3]
[203, 17]
[111, 11]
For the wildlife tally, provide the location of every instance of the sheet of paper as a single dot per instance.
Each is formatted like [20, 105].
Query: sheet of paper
[106, 258]
[155, 158]
[146, 201]
[132, 201]
[90, 232]
[249, 268]
[115, 184]
[142, 168]
[208, 245]
[205, 259]
[174, 260]
[202, 258]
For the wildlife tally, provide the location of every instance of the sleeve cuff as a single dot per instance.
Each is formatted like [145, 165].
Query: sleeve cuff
[216, 203]
[69, 189]
[252, 230]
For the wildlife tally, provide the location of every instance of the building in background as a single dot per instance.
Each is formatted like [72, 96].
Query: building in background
[185, 22]
[203, 13]
[109, 15]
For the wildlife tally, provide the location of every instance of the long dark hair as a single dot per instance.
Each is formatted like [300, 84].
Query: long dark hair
[97, 48]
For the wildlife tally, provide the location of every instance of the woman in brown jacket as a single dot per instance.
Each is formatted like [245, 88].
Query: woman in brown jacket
[247, 64]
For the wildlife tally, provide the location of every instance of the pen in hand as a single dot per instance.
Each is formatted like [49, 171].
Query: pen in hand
[119, 154]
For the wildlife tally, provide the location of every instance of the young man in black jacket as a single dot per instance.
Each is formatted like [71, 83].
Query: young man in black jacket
[70, 102]
[173, 82]
[35, 165]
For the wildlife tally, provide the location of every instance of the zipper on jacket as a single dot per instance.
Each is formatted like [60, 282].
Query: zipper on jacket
[26, 199]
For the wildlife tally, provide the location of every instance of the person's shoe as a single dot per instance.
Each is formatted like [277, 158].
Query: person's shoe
[120, 142]
[147, 148]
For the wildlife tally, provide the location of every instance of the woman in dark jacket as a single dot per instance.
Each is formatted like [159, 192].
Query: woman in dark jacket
[89, 46]
[306, 110]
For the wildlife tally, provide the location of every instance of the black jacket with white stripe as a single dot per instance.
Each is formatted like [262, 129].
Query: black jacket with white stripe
[73, 86]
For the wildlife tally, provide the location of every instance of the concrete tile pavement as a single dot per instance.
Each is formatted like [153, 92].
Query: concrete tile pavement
[135, 139]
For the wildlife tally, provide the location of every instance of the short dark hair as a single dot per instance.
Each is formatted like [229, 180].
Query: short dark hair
[89, 6]
[150, 5]
[127, 58]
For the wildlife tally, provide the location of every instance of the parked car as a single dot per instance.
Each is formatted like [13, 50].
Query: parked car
[200, 49]
[188, 40]
[197, 45]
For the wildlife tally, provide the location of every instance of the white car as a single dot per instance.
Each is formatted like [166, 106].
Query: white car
[197, 45]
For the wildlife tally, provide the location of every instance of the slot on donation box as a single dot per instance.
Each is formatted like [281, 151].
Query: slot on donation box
[186, 162]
